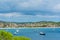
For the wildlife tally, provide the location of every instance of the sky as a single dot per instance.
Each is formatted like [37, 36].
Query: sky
[29, 10]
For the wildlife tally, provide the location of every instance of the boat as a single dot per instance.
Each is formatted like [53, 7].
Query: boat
[42, 33]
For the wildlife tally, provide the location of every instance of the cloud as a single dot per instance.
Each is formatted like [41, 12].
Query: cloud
[14, 14]
[56, 8]
[23, 16]
[19, 17]
[26, 10]
[7, 6]
[48, 16]
[19, 5]
[30, 3]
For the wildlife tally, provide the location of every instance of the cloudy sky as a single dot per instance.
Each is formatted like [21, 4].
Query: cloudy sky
[29, 10]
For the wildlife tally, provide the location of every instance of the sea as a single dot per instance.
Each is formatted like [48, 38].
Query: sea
[36, 33]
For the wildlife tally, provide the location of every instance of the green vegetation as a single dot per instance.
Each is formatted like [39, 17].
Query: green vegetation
[21, 38]
[9, 36]
[5, 35]
[29, 24]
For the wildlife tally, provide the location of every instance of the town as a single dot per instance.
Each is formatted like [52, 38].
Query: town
[4, 24]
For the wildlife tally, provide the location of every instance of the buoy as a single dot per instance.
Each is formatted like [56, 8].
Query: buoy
[42, 33]
[17, 30]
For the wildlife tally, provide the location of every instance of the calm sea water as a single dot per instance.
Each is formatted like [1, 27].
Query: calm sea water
[34, 33]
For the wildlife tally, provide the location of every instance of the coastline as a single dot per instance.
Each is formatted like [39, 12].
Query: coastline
[30, 27]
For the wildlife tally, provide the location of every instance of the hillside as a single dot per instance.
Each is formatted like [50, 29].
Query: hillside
[4, 24]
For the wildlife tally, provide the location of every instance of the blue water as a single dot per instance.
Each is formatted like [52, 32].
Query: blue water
[34, 33]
